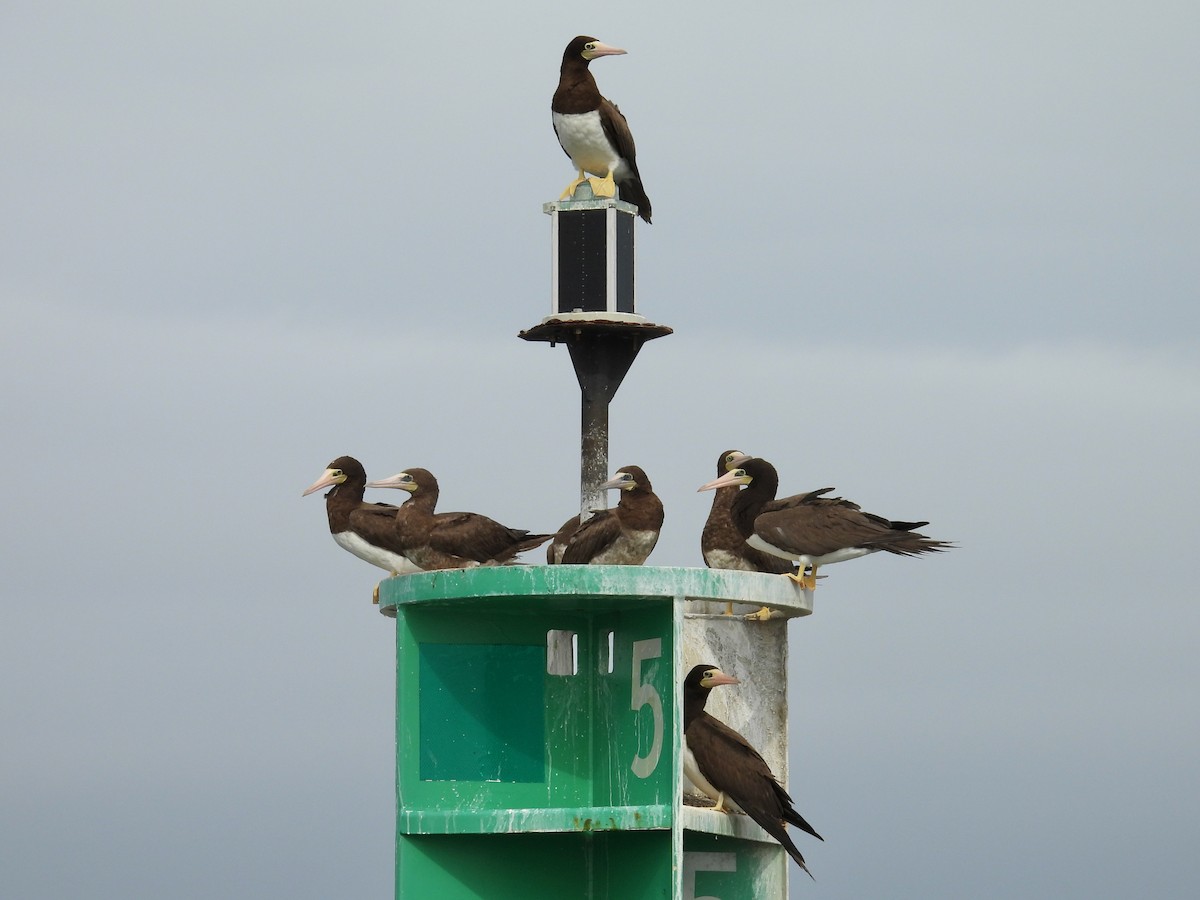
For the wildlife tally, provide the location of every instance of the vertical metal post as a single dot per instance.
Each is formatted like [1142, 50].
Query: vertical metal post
[593, 312]
[601, 361]
[593, 448]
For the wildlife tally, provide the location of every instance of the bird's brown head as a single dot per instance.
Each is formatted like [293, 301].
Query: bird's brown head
[707, 677]
[730, 459]
[747, 471]
[588, 48]
[341, 470]
[628, 478]
[411, 480]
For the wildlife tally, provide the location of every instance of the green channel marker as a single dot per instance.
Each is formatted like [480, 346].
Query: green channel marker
[538, 735]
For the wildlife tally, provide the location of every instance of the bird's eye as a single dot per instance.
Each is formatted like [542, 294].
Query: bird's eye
[337, 473]
[589, 46]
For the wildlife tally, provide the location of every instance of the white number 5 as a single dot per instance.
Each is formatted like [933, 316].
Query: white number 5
[646, 695]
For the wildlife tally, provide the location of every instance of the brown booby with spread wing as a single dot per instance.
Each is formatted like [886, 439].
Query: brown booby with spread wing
[721, 763]
[449, 540]
[365, 529]
[592, 131]
[811, 530]
[623, 536]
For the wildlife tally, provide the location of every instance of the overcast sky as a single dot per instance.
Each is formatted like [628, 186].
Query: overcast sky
[940, 255]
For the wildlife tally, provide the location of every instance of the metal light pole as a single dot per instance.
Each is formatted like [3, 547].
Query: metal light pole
[593, 312]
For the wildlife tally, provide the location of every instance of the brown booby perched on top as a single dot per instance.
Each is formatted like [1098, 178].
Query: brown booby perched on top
[811, 530]
[623, 536]
[592, 131]
[721, 763]
[365, 529]
[449, 540]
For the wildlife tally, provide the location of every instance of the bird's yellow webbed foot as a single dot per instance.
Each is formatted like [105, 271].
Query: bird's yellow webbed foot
[375, 595]
[807, 582]
[580, 178]
[720, 804]
[761, 615]
[604, 187]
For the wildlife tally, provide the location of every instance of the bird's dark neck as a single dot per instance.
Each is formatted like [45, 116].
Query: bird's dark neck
[342, 500]
[723, 497]
[577, 91]
[640, 510]
[414, 520]
[750, 501]
[574, 66]
[423, 503]
[693, 706]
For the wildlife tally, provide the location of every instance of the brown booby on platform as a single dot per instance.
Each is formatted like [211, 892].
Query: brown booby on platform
[452, 540]
[809, 529]
[622, 536]
[722, 544]
[554, 549]
[364, 529]
[722, 764]
[592, 131]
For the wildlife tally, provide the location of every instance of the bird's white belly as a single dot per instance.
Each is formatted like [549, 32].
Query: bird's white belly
[631, 549]
[803, 559]
[376, 556]
[725, 559]
[582, 136]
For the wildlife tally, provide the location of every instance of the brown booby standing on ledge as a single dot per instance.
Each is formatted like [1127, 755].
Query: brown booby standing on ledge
[721, 543]
[592, 131]
[722, 764]
[365, 529]
[811, 530]
[624, 536]
[723, 546]
[449, 540]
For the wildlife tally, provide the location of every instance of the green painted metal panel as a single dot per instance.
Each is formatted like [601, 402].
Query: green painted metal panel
[481, 713]
[524, 866]
[634, 714]
[555, 710]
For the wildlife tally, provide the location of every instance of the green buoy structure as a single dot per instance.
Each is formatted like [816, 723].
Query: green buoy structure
[539, 708]
[539, 726]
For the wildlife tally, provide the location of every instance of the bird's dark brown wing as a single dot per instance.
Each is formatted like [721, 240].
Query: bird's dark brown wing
[376, 523]
[735, 768]
[815, 530]
[616, 128]
[593, 537]
[804, 499]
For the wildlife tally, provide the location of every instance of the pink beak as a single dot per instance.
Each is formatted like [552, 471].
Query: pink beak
[393, 482]
[324, 481]
[599, 49]
[729, 479]
[721, 678]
